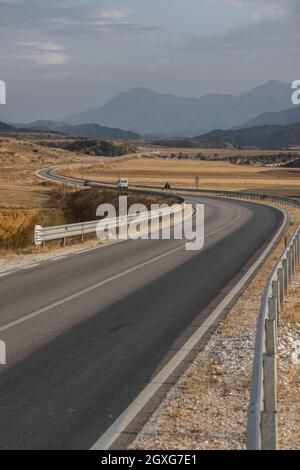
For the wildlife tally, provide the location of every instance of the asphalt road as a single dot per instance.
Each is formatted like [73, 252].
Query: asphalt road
[86, 333]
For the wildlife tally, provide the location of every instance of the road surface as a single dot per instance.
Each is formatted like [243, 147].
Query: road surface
[87, 332]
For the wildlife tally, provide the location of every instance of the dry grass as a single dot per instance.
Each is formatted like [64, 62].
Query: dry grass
[14, 220]
[214, 152]
[291, 310]
[19, 160]
[213, 175]
[24, 198]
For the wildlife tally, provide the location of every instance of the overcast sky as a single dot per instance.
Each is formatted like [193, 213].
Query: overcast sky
[63, 56]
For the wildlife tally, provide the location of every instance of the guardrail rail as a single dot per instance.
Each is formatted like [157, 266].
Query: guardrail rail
[262, 416]
[61, 232]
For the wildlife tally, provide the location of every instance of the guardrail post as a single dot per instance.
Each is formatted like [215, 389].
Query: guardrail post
[292, 261]
[276, 297]
[273, 309]
[280, 286]
[285, 276]
[295, 255]
[289, 258]
[269, 413]
[271, 346]
[37, 240]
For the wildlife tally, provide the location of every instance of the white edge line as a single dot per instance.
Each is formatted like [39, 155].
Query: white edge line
[116, 429]
[80, 251]
[58, 303]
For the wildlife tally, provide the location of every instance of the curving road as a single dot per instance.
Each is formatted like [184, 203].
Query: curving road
[87, 332]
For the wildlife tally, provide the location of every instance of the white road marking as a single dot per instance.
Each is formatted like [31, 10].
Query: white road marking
[28, 266]
[83, 250]
[102, 283]
[85, 291]
[116, 429]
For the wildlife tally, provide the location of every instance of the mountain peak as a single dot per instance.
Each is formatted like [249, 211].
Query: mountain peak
[148, 112]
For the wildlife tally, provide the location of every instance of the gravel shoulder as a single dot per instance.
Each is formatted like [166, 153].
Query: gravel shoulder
[289, 370]
[207, 407]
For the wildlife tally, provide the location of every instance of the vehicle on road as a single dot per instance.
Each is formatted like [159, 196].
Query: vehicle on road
[122, 183]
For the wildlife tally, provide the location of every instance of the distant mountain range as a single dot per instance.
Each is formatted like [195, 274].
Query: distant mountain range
[282, 118]
[94, 131]
[149, 113]
[5, 127]
[265, 137]
[268, 136]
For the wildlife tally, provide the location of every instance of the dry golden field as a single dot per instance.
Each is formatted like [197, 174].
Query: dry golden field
[24, 198]
[215, 152]
[19, 160]
[213, 175]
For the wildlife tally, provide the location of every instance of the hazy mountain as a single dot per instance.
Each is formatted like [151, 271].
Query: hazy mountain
[147, 112]
[43, 125]
[100, 132]
[282, 118]
[93, 131]
[5, 127]
[272, 137]
[103, 148]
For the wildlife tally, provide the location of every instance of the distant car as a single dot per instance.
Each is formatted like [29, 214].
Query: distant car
[122, 183]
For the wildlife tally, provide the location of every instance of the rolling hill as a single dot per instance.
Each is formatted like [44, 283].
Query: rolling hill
[5, 127]
[93, 131]
[272, 137]
[282, 118]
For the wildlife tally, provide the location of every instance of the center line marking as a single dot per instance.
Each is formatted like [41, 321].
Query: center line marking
[102, 283]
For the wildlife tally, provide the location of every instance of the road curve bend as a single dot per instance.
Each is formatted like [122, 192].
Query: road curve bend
[86, 333]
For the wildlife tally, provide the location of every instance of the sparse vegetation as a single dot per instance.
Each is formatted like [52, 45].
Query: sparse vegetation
[102, 148]
[213, 175]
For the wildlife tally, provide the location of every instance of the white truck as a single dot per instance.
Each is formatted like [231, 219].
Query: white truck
[122, 183]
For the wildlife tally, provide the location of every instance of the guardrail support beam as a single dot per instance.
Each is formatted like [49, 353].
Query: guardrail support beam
[269, 364]
[280, 286]
[285, 276]
[271, 342]
[269, 440]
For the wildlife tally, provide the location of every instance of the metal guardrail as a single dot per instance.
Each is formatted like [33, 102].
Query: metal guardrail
[232, 194]
[262, 416]
[158, 191]
[61, 232]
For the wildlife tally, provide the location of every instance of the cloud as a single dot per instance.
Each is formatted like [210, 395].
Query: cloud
[43, 53]
[58, 45]
[60, 21]
[32, 12]
[112, 15]
[42, 46]
[262, 9]
[269, 32]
